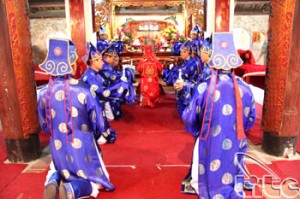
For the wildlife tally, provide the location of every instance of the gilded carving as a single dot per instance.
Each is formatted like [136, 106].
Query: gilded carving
[103, 12]
[196, 13]
[281, 22]
[18, 21]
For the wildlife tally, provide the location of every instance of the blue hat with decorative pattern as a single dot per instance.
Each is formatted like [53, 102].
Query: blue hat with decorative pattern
[224, 54]
[196, 30]
[85, 58]
[207, 46]
[176, 48]
[118, 46]
[93, 52]
[73, 53]
[102, 30]
[110, 50]
[186, 46]
[61, 55]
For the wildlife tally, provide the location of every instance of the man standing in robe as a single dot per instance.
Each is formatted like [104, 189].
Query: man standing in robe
[221, 110]
[102, 42]
[71, 116]
[149, 68]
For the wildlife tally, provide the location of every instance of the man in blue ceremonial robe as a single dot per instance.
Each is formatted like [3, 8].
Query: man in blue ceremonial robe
[70, 115]
[104, 91]
[112, 77]
[102, 42]
[187, 72]
[221, 110]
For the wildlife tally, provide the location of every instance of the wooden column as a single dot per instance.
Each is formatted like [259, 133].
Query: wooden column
[222, 16]
[78, 25]
[17, 86]
[281, 112]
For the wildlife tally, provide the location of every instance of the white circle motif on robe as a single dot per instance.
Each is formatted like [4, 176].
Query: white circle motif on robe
[202, 87]
[74, 81]
[63, 127]
[201, 169]
[77, 144]
[218, 196]
[66, 173]
[224, 77]
[82, 174]
[217, 95]
[69, 158]
[53, 113]
[238, 187]
[57, 144]
[60, 95]
[120, 90]
[227, 178]
[81, 98]
[85, 128]
[106, 93]
[227, 109]
[74, 112]
[94, 87]
[227, 144]
[215, 165]
[216, 130]
[247, 111]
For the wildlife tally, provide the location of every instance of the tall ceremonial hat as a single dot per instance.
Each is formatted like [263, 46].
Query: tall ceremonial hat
[224, 55]
[102, 30]
[110, 50]
[176, 48]
[118, 46]
[196, 30]
[207, 46]
[93, 52]
[73, 53]
[186, 46]
[148, 51]
[85, 58]
[61, 55]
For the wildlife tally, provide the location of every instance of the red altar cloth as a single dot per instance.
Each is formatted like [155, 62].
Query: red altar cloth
[250, 72]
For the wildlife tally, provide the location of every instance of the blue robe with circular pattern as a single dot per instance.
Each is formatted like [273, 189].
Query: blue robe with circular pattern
[217, 156]
[70, 114]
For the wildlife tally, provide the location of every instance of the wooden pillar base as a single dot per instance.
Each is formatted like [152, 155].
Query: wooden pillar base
[279, 146]
[23, 150]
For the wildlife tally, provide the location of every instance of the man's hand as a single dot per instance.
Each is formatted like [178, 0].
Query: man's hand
[178, 86]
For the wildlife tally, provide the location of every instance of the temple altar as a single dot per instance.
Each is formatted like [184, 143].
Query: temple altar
[160, 21]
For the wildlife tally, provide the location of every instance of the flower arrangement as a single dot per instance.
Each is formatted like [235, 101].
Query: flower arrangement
[169, 33]
[123, 35]
[180, 38]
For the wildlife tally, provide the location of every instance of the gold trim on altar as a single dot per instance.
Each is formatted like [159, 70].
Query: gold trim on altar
[193, 12]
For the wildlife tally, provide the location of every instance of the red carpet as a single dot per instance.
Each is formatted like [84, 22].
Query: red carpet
[264, 173]
[289, 169]
[25, 186]
[153, 142]
[148, 161]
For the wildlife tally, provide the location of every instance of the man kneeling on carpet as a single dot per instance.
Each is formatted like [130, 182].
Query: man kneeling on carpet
[149, 68]
[222, 108]
[71, 116]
